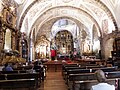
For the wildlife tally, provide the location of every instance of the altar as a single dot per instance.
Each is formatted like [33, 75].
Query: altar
[54, 65]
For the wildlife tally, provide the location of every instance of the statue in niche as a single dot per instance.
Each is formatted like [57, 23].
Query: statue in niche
[86, 47]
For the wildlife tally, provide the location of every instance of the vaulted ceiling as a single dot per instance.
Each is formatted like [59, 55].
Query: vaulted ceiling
[39, 16]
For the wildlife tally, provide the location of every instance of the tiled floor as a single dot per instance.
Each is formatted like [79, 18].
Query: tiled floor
[53, 81]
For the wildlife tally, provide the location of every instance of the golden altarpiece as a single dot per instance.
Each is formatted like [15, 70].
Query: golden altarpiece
[64, 42]
[9, 35]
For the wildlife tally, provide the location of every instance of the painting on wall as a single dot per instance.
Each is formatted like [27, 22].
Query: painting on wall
[105, 26]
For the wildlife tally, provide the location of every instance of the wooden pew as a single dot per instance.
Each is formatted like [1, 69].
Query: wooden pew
[19, 76]
[78, 67]
[82, 74]
[115, 74]
[79, 77]
[76, 72]
[2, 77]
[8, 72]
[106, 69]
[86, 85]
[83, 67]
[23, 68]
[40, 71]
[64, 72]
[69, 65]
[24, 76]
[22, 71]
[26, 84]
[64, 66]
[90, 67]
[90, 76]
[12, 72]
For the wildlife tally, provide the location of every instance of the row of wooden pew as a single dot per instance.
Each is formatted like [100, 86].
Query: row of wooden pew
[21, 79]
[79, 77]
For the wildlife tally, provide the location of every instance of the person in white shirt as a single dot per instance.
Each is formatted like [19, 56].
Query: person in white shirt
[102, 85]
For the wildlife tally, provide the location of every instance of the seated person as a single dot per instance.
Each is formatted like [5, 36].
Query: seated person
[102, 85]
[7, 67]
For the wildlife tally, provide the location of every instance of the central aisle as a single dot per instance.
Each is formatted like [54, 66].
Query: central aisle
[53, 81]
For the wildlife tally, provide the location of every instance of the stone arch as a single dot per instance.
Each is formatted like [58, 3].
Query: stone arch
[100, 3]
[57, 18]
[108, 41]
[71, 17]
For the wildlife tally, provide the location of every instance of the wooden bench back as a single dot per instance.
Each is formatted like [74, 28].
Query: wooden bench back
[89, 77]
[2, 77]
[22, 76]
[27, 84]
[76, 71]
[106, 69]
[115, 74]
[12, 72]
[82, 77]
[86, 85]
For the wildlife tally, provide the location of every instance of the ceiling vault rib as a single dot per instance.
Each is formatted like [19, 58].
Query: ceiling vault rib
[98, 1]
[83, 11]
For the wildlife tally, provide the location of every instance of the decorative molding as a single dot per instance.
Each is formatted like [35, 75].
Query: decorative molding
[100, 4]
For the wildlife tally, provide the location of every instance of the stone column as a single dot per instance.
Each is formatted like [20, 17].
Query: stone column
[31, 54]
[102, 46]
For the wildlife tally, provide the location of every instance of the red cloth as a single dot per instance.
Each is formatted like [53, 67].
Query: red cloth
[53, 53]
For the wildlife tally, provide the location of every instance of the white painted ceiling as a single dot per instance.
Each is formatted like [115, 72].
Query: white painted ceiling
[40, 15]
